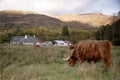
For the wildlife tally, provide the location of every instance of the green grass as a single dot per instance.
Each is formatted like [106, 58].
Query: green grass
[46, 63]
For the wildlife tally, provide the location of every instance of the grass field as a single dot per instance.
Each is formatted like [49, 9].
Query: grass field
[46, 63]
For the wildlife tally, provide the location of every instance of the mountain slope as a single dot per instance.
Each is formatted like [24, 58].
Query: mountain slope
[95, 20]
[29, 19]
[12, 18]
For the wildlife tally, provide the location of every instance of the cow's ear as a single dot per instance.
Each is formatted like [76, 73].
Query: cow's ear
[71, 46]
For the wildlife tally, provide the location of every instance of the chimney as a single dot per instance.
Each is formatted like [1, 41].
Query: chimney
[34, 36]
[26, 36]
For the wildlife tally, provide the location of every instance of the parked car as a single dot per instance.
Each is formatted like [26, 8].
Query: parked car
[59, 43]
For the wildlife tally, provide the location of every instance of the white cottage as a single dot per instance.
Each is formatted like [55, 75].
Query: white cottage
[28, 40]
[24, 40]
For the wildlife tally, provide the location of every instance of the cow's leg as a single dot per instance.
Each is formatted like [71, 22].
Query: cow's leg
[107, 61]
[96, 59]
[89, 61]
[80, 58]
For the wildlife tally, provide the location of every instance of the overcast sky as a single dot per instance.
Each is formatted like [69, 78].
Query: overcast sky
[108, 7]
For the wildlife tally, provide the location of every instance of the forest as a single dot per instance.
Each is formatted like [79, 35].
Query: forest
[110, 32]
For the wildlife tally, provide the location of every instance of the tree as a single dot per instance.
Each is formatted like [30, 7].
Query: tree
[65, 31]
[110, 32]
[4, 38]
[119, 14]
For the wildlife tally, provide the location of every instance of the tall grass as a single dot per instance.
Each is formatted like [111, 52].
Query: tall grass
[46, 63]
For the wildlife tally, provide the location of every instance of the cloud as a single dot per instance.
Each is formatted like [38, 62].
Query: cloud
[61, 6]
[106, 6]
[44, 5]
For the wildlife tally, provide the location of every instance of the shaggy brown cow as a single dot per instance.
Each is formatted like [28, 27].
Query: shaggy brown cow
[91, 50]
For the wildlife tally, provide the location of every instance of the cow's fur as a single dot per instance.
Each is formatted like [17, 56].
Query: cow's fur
[91, 50]
[72, 46]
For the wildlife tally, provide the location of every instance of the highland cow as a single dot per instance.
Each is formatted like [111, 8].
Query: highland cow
[91, 50]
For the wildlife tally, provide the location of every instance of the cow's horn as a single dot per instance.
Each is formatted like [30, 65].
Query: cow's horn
[66, 58]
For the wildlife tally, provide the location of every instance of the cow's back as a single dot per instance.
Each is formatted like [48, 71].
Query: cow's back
[104, 47]
[86, 47]
[85, 50]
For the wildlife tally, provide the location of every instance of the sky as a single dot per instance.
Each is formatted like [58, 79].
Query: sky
[107, 7]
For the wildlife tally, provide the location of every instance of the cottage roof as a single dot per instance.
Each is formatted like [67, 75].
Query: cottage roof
[16, 38]
[28, 40]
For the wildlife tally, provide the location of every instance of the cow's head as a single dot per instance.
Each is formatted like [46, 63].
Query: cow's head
[71, 60]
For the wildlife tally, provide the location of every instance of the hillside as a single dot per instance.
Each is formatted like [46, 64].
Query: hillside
[27, 19]
[95, 20]
[11, 19]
